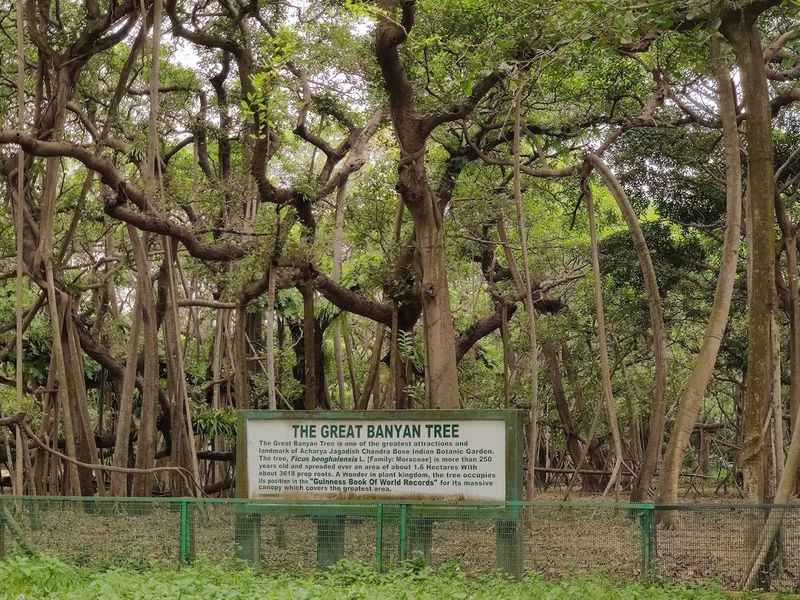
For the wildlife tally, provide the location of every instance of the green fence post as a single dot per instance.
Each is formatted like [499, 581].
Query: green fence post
[647, 529]
[379, 539]
[403, 531]
[184, 545]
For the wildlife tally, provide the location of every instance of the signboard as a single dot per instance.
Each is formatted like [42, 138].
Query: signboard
[425, 454]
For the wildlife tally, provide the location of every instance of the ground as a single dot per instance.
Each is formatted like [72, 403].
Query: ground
[708, 545]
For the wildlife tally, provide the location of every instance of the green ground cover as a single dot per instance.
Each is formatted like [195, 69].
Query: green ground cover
[27, 578]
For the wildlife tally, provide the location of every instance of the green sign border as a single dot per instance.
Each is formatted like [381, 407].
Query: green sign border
[513, 420]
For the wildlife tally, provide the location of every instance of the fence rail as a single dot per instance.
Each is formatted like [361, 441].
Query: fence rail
[704, 544]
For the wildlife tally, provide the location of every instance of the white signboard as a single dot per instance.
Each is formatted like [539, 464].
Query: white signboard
[349, 458]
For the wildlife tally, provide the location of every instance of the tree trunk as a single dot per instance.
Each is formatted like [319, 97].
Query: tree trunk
[218, 443]
[602, 343]
[19, 466]
[375, 363]
[18, 213]
[783, 495]
[632, 405]
[338, 240]
[508, 355]
[183, 447]
[655, 433]
[525, 284]
[73, 483]
[119, 480]
[741, 30]
[86, 445]
[578, 404]
[695, 389]
[349, 355]
[790, 241]
[412, 185]
[241, 371]
[270, 340]
[777, 404]
[311, 401]
[46, 427]
[439, 334]
[567, 423]
[254, 335]
[142, 484]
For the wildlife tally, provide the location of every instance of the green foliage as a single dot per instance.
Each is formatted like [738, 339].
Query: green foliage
[213, 422]
[677, 172]
[408, 348]
[673, 259]
[411, 351]
[276, 51]
[578, 87]
[27, 578]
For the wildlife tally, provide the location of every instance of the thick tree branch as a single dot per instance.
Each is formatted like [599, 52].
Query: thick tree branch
[146, 220]
[352, 301]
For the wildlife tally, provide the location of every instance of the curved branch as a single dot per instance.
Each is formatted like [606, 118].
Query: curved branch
[352, 301]
[206, 303]
[464, 108]
[113, 178]
[480, 329]
[218, 251]
[388, 37]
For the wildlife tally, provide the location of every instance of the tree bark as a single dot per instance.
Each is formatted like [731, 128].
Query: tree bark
[439, 334]
[18, 213]
[416, 195]
[655, 433]
[375, 363]
[184, 452]
[349, 355]
[142, 484]
[602, 344]
[119, 480]
[85, 438]
[73, 480]
[533, 352]
[559, 398]
[777, 405]
[338, 241]
[270, 339]
[508, 355]
[311, 401]
[241, 370]
[741, 30]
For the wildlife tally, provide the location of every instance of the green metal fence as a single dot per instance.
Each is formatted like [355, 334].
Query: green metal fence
[708, 544]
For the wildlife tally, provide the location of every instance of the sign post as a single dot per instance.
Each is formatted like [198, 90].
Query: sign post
[437, 457]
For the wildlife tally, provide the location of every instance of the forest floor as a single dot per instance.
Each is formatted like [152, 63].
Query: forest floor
[586, 539]
[25, 578]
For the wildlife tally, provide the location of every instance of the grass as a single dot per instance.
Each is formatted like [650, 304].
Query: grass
[40, 578]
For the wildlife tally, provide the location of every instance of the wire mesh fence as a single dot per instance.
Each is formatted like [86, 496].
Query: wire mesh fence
[698, 544]
[716, 544]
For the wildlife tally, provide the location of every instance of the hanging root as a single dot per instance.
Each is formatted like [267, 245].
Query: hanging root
[185, 474]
